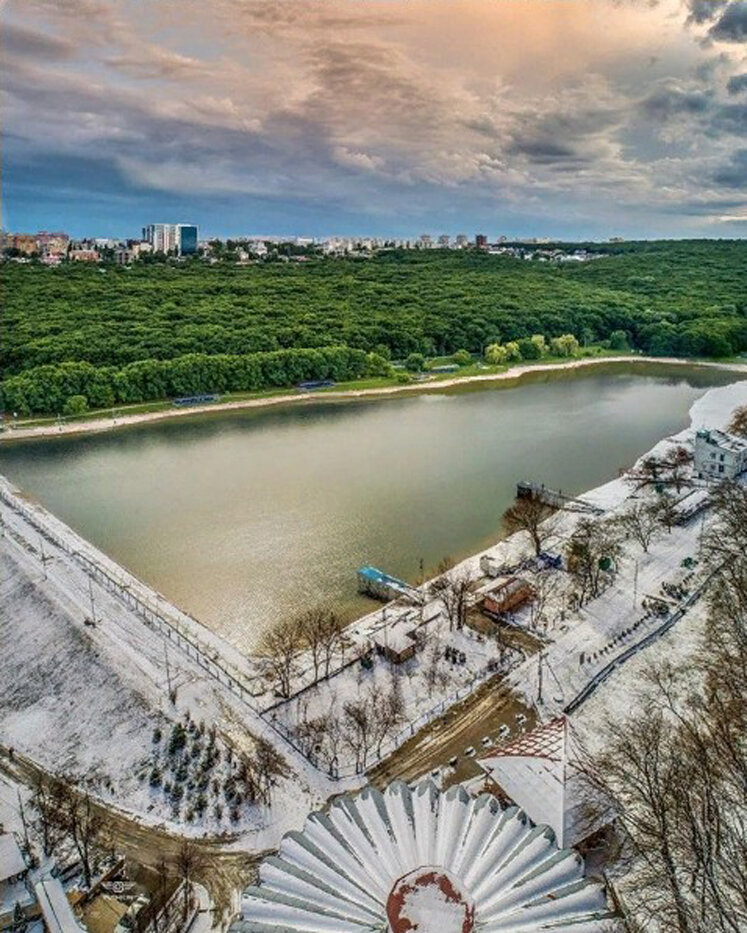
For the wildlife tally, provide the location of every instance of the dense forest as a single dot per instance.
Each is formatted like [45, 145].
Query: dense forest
[224, 327]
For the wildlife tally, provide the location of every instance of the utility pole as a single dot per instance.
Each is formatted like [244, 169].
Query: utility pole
[635, 585]
[168, 670]
[93, 604]
[42, 556]
[22, 813]
[539, 677]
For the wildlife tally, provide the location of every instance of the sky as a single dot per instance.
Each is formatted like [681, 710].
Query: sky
[563, 118]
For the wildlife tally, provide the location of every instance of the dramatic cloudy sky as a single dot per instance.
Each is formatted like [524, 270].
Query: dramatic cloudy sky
[526, 117]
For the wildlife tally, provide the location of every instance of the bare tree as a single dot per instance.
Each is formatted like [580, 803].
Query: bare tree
[329, 633]
[648, 472]
[163, 876]
[269, 765]
[533, 516]
[314, 626]
[454, 594]
[667, 511]
[738, 423]
[441, 579]
[679, 466]
[361, 718]
[545, 587]
[82, 823]
[677, 769]
[391, 710]
[640, 522]
[49, 816]
[279, 647]
[187, 864]
[592, 551]
[672, 470]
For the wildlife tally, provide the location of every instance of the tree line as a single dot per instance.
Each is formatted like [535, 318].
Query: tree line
[72, 387]
[686, 297]
[675, 772]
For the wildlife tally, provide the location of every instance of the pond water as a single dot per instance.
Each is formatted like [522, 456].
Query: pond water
[241, 517]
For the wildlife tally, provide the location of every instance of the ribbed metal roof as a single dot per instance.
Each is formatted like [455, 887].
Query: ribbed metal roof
[421, 860]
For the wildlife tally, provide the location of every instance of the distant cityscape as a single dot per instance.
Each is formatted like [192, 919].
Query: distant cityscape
[179, 241]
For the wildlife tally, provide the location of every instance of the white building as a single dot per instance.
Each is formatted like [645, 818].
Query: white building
[13, 874]
[541, 773]
[719, 455]
[55, 907]
[171, 238]
[419, 859]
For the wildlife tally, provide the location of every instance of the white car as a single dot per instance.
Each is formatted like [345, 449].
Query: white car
[470, 752]
[504, 731]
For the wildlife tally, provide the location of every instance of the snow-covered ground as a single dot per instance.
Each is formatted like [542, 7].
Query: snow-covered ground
[88, 700]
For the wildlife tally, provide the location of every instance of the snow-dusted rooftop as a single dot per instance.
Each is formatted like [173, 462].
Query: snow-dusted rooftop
[541, 773]
[55, 907]
[11, 858]
[417, 859]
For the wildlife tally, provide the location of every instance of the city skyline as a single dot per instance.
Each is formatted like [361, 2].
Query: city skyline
[569, 120]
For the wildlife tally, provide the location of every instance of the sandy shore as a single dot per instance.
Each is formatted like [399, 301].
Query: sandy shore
[103, 423]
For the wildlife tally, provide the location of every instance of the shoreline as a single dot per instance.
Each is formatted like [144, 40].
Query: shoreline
[103, 423]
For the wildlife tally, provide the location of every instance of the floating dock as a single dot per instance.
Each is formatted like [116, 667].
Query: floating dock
[380, 585]
[555, 498]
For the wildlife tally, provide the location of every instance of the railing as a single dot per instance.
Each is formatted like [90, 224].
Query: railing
[152, 617]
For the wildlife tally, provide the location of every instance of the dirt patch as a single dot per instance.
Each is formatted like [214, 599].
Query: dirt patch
[463, 726]
[222, 870]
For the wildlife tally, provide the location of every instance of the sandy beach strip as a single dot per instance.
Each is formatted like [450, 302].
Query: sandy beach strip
[107, 423]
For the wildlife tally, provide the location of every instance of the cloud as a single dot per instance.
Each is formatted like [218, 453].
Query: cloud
[18, 40]
[358, 160]
[734, 173]
[672, 99]
[703, 11]
[152, 62]
[377, 106]
[737, 83]
[731, 26]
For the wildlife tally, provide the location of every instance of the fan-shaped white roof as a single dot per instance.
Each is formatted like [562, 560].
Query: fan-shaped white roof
[417, 859]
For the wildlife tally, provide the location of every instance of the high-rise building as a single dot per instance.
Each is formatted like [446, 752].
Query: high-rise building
[187, 239]
[444, 240]
[462, 240]
[172, 238]
[481, 241]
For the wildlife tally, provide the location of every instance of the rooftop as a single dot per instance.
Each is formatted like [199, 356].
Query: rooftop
[723, 440]
[541, 773]
[58, 914]
[419, 859]
[12, 862]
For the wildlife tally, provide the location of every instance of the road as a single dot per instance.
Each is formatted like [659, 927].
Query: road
[222, 870]
[463, 726]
